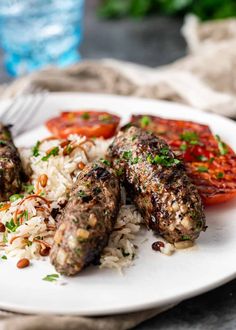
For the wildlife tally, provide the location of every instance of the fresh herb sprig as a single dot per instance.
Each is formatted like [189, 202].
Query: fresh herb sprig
[105, 161]
[190, 137]
[163, 158]
[202, 169]
[51, 278]
[11, 226]
[220, 175]
[145, 121]
[127, 155]
[35, 149]
[28, 188]
[15, 197]
[221, 146]
[85, 116]
[54, 152]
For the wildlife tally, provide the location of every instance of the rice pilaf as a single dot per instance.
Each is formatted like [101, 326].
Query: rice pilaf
[29, 218]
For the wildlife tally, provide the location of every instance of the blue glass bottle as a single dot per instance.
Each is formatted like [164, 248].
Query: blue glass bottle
[38, 33]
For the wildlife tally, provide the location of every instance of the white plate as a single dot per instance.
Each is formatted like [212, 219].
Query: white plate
[154, 279]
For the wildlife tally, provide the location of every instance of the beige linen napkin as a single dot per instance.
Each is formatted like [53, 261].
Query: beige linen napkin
[13, 321]
[205, 79]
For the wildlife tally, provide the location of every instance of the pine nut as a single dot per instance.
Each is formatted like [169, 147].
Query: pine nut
[81, 166]
[44, 252]
[43, 179]
[23, 263]
[82, 233]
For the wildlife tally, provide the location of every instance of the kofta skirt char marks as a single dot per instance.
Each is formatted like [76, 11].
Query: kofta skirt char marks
[11, 171]
[158, 184]
[87, 220]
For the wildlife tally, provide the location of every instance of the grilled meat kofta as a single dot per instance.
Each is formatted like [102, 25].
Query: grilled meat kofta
[11, 171]
[87, 219]
[158, 184]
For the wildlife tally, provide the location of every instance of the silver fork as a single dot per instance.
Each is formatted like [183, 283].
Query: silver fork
[22, 109]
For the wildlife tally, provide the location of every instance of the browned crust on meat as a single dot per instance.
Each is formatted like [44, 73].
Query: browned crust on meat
[87, 220]
[11, 171]
[164, 194]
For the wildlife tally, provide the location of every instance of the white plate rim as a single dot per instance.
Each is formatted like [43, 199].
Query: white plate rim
[185, 295]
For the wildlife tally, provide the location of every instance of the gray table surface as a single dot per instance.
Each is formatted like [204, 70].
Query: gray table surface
[156, 41]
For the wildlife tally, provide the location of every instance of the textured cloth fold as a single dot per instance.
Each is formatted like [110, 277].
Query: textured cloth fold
[13, 321]
[205, 79]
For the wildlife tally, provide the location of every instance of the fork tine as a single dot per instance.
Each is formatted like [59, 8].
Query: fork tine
[18, 115]
[11, 110]
[29, 111]
[22, 109]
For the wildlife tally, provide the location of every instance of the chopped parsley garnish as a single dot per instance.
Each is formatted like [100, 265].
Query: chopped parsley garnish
[35, 149]
[85, 116]
[68, 149]
[105, 161]
[54, 152]
[28, 188]
[183, 147]
[189, 136]
[186, 238]
[4, 257]
[85, 198]
[202, 169]
[4, 238]
[164, 151]
[163, 158]
[81, 193]
[25, 214]
[105, 118]
[126, 127]
[145, 121]
[194, 142]
[211, 160]
[15, 197]
[120, 172]
[202, 158]
[11, 226]
[220, 175]
[134, 160]
[3, 142]
[51, 278]
[127, 155]
[221, 146]
[194, 215]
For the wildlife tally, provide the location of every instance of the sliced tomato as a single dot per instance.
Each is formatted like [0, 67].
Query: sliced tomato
[84, 122]
[209, 161]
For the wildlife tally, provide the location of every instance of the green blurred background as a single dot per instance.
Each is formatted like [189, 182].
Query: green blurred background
[205, 9]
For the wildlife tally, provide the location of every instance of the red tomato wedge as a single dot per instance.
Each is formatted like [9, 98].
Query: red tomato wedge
[209, 161]
[84, 122]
